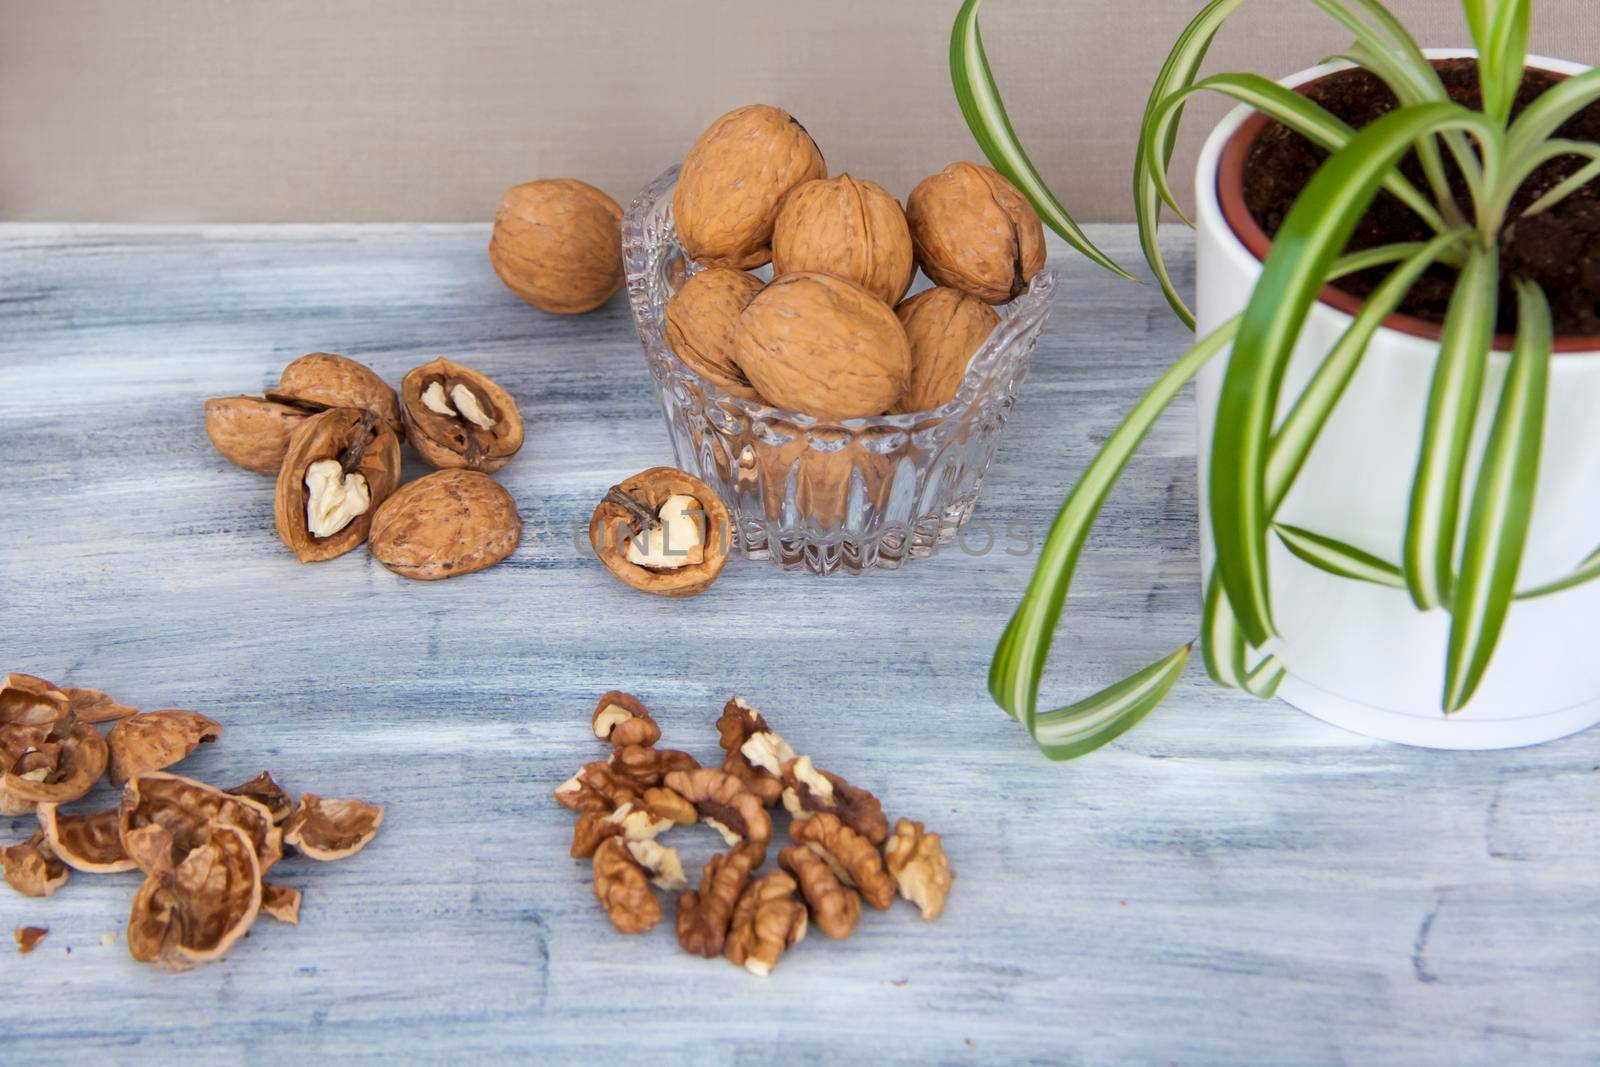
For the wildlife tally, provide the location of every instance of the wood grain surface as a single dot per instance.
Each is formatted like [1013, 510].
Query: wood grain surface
[1233, 882]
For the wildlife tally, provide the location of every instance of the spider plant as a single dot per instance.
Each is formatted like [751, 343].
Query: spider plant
[1467, 524]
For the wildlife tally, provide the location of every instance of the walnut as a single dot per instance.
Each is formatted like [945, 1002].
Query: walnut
[766, 923]
[444, 525]
[252, 432]
[331, 828]
[281, 902]
[321, 380]
[853, 859]
[28, 938]
[703, 916]
[622, 885]
[659, 862]
[700, 320]
[640, 767]
[155, 740]
[919, 867]
[184, 808]
[755, 752]
[973, 231]
[457, 417]
[666, 804]
[267, 792]
[557, 244]
[32, 867]
[946, 327]
[630, 822]
[341, 466]
[594, 788]
[808, 790]
[725, 805]
[91, 843]
[835, 908]
[622, 719]
[193, 910]
[732, 180]
[29, 701]
[91, 705]
[846, 227]
[663, 531]
[61, 766]
[823, 346]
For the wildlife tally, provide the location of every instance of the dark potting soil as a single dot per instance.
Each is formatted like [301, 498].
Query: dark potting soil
[1558, 248]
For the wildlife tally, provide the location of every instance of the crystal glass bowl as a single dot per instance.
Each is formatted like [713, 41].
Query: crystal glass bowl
[817, 495]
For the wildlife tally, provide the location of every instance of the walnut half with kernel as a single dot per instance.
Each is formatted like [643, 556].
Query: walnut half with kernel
[663, 531]
[341, 466]
[456, 417]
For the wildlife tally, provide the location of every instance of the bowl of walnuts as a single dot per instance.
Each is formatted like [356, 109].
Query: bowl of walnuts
[846, 424]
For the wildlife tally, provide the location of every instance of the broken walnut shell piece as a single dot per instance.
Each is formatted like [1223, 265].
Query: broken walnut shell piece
[724, 804]
[755, 752]
[444, 525]
[91, 705]
[62, 768]
[341, 466]
[28, 938]
[331, 828]
[281, 902]
[854, 860]
[457, 417]
[835, 907]
[192, 911]
[919, 867]
[622, 719]
[32, 868]
[809, 789]
[29, 701]
[622, 885]
[631, 517]
[704, 915]
[594, 788]
[184, 808]
[640, 767]
[699, 324]
[321, 380]
[251, 431]
[766, 923]
[90, 843]
[155, 740]
[266, 791]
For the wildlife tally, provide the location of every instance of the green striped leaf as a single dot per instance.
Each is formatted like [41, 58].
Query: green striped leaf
[1502, 503]
[1500, 32]
[1436, 487]
[986, 117]
[1587, 571]
[1572, 183]
[1069, 732]
[1316, 228]
[1263, 682]
[1540, 119]
[1337, 557]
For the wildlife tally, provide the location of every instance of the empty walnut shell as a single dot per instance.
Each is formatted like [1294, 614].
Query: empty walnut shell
[252, 432]
[700, 321]
[29, 701]
[824, 346]
[91, 705]
[973, 231]
[331, 828]
[457, 417]
[945, 327]
[61, 768]
[622, 719]
[269, 794]
[557, 244]
[321, 380]
[91, 843]
[184, 808]
[368, 455]
[444, 525]
[847, 227]
[727, 195]
[629, 509]
[32, 867]
[155, 740]
[280, 902]
[193, 910]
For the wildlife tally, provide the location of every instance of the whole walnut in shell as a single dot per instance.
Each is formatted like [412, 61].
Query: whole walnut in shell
[457, 417]
[824, 346]
[448, 523]
[252, 432]
[847, 227]
[973, 231]
[945, 327]
[700, 321]
[557, 244]
[341, 466]
[732, 179]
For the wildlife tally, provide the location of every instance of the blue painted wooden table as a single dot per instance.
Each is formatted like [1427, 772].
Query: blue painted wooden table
[1231, 882]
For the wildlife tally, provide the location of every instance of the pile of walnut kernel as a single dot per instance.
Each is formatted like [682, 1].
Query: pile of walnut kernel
[204, 852]
[842, 850]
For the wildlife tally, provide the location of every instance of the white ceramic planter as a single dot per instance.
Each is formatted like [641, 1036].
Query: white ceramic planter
[1359, 655]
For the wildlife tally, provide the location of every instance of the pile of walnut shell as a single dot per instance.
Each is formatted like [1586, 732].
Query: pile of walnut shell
[832, 335]
[204, 852]
[842, 851]
[330, 432]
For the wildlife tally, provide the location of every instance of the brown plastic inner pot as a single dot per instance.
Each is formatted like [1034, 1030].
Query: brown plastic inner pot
[1230, 195]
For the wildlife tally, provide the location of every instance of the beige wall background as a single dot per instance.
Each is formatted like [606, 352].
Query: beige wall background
[359, 110]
